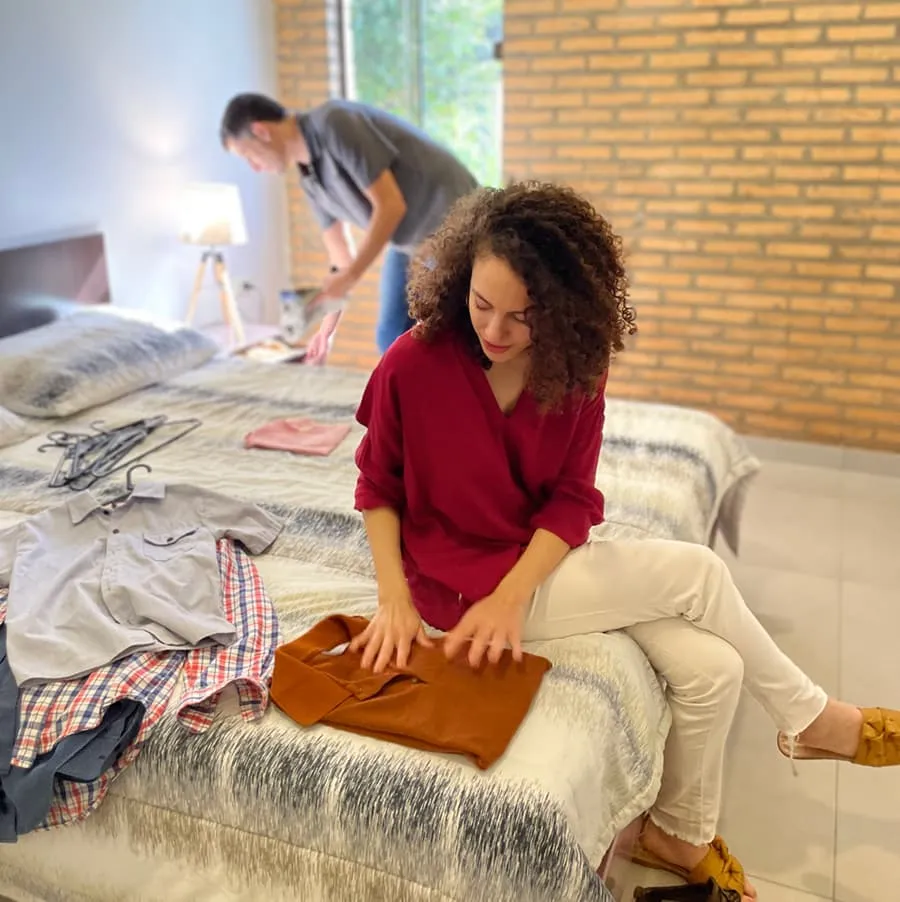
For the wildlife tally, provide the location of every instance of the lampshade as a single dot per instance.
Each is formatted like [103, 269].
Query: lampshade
[212, 215]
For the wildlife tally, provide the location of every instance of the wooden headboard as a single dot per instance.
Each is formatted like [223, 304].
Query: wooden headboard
[71, 269]
[40, 281]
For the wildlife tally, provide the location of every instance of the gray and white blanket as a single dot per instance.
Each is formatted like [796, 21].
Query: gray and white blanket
[274, 811]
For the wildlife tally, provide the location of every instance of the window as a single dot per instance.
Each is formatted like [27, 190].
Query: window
[434, 63]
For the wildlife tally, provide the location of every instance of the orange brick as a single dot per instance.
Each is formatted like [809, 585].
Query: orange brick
[554, 135]
[788, 35]
[832, 231]
[704, 152]
[829, 12]
[777, 115]
[584, 115]
[696, 19]
[807, 173]
[774, 153]
[817, 95]
[857, 324]
[867, 75]
[714, 38]
[757, 16]
[889, 273]
[810, 374]
[844, 153]
[559, 64]
[816, 55]
[794, 77]
[862, 33]
[803, 211]
[768, 190]
[704, 189]
[740, 135]
[651, 41]
[593, 82]
[555, 101]
[679, 98]
[742, 96]
[716, 78]
[740, 171]
[583, 152]
[684, 60]
[648, 79]
[617, 23]
[615, 62]
[527, 46]
[877, 52]
[746, 58]
[563, 25]
[876, 380]
[839, 192]
[830, 270]
[586, 44]
[848, 114]
[795, 249]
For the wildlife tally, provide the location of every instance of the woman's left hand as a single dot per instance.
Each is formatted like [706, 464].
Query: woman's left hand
[491, 624]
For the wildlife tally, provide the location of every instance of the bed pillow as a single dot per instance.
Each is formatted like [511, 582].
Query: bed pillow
[13, 429]
[91, 358]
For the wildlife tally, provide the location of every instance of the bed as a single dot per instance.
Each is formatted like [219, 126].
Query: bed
[274, 811]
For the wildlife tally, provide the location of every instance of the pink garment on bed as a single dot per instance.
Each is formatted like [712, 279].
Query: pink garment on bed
[299, 435]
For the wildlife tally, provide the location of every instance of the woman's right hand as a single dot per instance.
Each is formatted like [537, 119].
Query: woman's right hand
[394, 628]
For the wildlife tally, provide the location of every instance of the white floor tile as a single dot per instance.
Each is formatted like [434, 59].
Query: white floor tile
[801, 612]
[792, 530]
[783, 476]
[870, 552]
[774, 892]
[780, 826]
[868, 819]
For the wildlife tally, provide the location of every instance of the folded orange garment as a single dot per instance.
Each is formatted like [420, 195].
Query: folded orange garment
[432, 704]
[299, 435]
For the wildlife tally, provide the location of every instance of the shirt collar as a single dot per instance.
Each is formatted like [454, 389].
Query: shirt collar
[311, 137]
[84, 503]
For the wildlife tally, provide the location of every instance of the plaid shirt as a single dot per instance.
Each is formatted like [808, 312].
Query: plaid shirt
[51, 711]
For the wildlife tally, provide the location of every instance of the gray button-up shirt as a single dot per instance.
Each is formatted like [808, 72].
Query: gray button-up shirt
[89, 584]
[351, 144]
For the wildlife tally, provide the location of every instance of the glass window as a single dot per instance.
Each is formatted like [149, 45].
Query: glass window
[433, 62]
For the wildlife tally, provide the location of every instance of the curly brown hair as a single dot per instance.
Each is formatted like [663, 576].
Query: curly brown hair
[570, 261]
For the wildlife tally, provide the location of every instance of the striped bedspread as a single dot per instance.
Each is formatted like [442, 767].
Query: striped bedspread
[273, 811]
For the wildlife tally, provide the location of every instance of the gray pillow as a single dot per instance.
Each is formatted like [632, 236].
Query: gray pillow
[90, 358]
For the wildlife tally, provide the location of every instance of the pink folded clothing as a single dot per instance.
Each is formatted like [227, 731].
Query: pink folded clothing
[298, 435]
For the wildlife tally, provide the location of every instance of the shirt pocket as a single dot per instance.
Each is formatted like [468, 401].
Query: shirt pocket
[163, 546]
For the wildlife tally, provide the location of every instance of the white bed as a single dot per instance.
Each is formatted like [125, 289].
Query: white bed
[274, 811]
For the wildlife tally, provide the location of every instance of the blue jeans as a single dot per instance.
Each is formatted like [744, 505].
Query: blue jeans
[393, 311]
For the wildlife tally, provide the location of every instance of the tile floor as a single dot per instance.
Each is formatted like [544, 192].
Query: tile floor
[820, 566]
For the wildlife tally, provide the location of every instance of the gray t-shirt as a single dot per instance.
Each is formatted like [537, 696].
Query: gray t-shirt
[351, 144]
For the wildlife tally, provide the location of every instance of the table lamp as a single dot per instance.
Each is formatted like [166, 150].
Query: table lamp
[213, 217]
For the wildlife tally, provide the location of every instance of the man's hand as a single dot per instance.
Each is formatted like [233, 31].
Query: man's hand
[491, 624]
[320, 344]
[336, 286]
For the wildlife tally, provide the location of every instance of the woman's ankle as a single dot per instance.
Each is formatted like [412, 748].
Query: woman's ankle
[837, 729]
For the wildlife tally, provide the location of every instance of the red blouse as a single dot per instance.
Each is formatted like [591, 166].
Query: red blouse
[470, 483]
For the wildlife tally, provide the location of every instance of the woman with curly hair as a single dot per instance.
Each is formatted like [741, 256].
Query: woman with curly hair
[477, 486]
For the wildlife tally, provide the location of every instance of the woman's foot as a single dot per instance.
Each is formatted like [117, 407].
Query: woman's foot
[837, 729]
[683, 855]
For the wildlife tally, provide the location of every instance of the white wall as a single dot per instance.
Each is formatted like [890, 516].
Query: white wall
[108, 108]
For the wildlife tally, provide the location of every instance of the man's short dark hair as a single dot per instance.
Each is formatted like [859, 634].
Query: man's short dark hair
[245, 109]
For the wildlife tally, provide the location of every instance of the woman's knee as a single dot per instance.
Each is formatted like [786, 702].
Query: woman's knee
[694, 663]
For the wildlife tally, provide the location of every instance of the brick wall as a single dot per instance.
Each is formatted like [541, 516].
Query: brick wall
[308, 70]
[749, 153]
